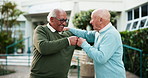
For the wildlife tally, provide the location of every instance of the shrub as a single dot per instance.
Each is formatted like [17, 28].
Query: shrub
[137, 39]
[5, 40]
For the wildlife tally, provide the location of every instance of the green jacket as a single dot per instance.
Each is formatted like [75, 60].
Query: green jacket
[52, 54]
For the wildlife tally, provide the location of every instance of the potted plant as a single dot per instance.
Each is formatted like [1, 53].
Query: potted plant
[20, 46]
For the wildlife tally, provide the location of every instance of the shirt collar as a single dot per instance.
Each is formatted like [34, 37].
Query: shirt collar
[51, 28]
[106, 27]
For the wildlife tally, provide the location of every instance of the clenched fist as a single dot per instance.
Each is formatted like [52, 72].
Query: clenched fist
[73, 40]
[80, 41]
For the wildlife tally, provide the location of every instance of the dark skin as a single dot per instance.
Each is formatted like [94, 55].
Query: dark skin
[55, 21]
[59, 22]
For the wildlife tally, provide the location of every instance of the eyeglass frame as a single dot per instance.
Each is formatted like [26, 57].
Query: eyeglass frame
[62, 20]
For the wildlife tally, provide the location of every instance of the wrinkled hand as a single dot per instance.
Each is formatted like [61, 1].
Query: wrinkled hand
[73, 40]
[80, 41]
[65, 28]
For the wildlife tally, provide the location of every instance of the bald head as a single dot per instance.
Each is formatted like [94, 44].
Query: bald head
[100, 18]
[102, 13]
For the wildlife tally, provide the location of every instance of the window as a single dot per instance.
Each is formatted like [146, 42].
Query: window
[128, 26]
[137, 18]
[144, 9]
[135, 25]
[129, 15]
[142, 23]
[136, 13]
[22, 24]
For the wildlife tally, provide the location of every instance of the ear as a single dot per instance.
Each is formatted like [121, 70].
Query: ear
[101, 20]
[51, 19]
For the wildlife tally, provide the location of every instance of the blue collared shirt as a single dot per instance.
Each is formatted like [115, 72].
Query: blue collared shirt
[106, 53]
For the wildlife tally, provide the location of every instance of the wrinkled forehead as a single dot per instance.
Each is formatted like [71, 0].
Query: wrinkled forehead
[61, 13]
[94, 15]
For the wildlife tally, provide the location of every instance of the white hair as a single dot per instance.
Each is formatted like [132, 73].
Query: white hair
[51, 14]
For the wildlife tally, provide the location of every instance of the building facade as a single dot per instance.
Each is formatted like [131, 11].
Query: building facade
[132, 14]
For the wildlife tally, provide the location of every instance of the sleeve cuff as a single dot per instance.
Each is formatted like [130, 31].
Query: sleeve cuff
[69, 42]
[84, 44]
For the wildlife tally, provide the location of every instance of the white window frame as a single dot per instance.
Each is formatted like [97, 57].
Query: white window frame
[137, 19]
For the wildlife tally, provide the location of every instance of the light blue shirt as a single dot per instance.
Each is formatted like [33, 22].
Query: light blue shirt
[106, 53]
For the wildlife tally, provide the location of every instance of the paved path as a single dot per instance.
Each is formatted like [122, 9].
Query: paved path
[20, 72]
[24, 71]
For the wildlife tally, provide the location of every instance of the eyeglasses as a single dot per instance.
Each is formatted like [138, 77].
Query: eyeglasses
[62, 20]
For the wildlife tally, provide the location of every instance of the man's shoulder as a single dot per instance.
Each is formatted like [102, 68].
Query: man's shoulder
[41, 26]
[42, 29]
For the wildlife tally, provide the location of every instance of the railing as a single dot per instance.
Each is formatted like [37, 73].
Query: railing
[13, 59]
[6, 60]
[78, 66]
[11, 45]
[140, 59]
[125, 46]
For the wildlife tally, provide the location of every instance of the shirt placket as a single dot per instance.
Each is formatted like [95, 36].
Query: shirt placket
[96, 40]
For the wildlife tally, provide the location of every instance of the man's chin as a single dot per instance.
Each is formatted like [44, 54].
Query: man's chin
[61, 28]
[96, 29]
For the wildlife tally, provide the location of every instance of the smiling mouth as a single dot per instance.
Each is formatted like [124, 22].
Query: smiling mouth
[62, 25]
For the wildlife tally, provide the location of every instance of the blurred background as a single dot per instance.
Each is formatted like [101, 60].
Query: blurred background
[19, 18]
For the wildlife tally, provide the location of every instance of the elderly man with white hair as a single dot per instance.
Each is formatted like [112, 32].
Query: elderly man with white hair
[52, 51]
[107, 51]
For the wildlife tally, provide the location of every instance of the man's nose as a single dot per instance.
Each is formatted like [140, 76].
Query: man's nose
[90, 22]
[64, 23]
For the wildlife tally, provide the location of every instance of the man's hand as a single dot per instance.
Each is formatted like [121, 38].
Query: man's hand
[80, 41]
[66, 29]
[73, 40]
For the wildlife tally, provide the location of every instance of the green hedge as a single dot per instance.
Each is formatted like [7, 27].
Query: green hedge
[137, 39]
